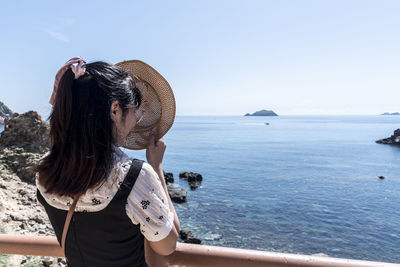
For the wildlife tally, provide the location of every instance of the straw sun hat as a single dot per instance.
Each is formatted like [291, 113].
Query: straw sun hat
[158, 104]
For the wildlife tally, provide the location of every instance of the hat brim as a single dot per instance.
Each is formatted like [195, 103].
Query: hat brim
[139, 137]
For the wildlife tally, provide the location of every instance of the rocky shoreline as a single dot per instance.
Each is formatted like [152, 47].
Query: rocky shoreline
[22, 143]
[21, 214]
[392, 140]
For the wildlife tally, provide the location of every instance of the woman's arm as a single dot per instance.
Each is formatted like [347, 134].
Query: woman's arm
[153, 259]
[154, 155]
[160, 173]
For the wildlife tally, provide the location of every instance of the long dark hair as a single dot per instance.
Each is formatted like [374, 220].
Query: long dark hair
[81, 129]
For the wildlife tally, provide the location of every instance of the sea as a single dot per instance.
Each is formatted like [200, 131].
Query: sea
[294, 184]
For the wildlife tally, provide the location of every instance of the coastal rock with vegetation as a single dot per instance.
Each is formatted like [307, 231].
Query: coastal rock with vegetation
[26, 131]
[5, 112]
[20, 162]
[23, 142]
[262, 113]
[392, 140]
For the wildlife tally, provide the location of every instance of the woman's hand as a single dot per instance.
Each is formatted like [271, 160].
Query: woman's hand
[155, 152]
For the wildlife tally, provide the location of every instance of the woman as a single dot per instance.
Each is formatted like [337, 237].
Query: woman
[122, 204]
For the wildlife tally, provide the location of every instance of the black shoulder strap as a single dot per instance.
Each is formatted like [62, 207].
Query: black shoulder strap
[131, 176]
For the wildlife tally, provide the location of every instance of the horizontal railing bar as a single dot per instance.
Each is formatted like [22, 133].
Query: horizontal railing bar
[202, 256]
[30, 245]
[191, 255]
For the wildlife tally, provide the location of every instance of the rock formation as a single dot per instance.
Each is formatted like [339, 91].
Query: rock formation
[169, 177]
[23, 142]
[393, 140]
[177, 195]
[21, 214]
[262, 113]
[194, 179]
[191, 176]
[187, 237]
[26, 131]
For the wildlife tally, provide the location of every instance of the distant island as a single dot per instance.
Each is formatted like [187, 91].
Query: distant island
[5, 112]
[262, 113]
[388, 113]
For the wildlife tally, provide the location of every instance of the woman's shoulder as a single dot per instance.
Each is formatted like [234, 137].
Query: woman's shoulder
[96, 198]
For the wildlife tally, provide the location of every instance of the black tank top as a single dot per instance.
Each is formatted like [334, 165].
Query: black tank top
[103, 238]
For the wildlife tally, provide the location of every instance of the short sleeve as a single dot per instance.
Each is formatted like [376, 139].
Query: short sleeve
[148, 205]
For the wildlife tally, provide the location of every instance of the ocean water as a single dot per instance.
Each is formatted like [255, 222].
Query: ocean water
[302, 184]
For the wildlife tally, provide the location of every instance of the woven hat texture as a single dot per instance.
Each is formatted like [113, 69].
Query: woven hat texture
[158, 104]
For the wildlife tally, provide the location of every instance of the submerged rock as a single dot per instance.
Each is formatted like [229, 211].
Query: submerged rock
[191, 176]
[393, 140]
[194, 179]
[169, 177]
[187, 237]
[193, 186]
[177, 195]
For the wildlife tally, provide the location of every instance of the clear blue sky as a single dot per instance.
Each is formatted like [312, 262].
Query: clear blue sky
[220, 57]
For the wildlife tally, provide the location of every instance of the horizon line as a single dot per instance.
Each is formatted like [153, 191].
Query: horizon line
[309, 114]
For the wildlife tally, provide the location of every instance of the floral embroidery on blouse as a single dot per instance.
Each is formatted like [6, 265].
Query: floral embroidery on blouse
[145, 203]
[96, 201]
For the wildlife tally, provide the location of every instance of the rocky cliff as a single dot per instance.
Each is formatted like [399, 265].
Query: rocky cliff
[392, 140]
[22, 143]
[5, 112]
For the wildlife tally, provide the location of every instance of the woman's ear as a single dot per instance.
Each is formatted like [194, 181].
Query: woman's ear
[115, 111]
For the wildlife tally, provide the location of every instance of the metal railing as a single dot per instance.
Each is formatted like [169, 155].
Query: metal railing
[191, 255]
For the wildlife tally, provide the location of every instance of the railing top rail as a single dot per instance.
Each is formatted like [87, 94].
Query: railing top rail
[191, 255]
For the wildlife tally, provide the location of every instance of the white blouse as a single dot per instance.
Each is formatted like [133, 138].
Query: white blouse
[147, 203]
